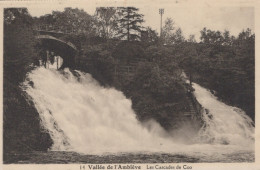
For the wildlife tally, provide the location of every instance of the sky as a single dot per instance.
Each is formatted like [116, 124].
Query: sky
[190, 16]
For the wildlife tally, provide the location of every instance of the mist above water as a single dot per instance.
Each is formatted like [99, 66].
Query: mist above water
[83, 116]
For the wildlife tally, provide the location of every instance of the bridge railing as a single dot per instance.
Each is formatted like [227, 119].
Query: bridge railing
[55, 29]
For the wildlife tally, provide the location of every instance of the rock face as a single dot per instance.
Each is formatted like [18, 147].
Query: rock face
[22, 129]
[157, 90]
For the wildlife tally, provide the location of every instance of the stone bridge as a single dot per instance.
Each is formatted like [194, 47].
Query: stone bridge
[53, 41]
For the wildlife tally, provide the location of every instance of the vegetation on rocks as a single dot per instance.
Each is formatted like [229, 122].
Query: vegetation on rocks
[148, 69]
[225, 65]
[21, 122]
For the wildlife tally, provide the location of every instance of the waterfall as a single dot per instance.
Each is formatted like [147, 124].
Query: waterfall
[222, 123]
[82, 116]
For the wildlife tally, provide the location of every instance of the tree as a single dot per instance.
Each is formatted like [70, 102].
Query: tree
[203, 35]
[211, 37]
[171, 34]
[19, 43]
[218, 39]
[106, 21]
[243, 37]
[167, 31]
[75, 21]
[226, 64]
[178, 37]
[130, 23]
[21, 122]
[226, 38]
[152, 35]
[192, 38]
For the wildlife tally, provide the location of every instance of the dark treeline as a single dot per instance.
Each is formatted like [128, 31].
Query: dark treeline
[114, 38]
[224, 64]
[220, 61]
[21, 123]
[116, 23]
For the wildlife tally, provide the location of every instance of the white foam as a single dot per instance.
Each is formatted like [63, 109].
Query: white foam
[85, 117]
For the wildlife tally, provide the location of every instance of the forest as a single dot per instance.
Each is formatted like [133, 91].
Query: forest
[112, 39]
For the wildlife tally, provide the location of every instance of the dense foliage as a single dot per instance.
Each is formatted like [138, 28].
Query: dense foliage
[171, 34]
[71, 20]
[22, 129]
[106, 22]
[18, 35]
[130, 23]
[223, 63]
[157, 89]
[220, 61]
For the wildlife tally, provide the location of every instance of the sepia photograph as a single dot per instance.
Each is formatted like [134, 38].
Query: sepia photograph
[128, 84]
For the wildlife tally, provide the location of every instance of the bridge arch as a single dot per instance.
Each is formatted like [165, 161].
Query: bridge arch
[62, 48]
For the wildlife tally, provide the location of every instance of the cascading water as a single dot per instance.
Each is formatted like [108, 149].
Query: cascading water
[83, 116]
[223, 124]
